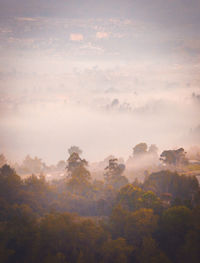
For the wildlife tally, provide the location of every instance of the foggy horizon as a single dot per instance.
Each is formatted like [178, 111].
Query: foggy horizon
[100, 75]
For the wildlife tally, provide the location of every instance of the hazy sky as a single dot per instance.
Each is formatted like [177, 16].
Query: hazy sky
[103, 75]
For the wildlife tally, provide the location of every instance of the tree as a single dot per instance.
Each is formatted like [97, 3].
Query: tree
[74, 149]
[116, 251]
[133, 198]
[190, 251]
[140, 224]
[75, 239]
[78, 175]
[113, 175]
[10, 184]
[149, 252]
[140, 149]
[175, 223]
[153, 149]
[38, 193]
[114, 169]
[21, 232]
[133, 226]
[179, 186]
[74, 161]
[174, 157]
[32, 165]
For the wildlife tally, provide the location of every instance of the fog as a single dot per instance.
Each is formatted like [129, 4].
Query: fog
[45, 120]
[104, 83]
[48, 130]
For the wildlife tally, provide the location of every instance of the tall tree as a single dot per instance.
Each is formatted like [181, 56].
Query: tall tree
[74, 149]
[140, 149]
[78, 175]
[113, 174]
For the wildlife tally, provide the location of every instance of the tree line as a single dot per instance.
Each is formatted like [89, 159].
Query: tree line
[78, 219]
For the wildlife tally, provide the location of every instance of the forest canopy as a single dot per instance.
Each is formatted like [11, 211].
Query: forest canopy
[79, 218]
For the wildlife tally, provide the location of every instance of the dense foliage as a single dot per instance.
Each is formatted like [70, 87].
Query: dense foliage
[79, 220]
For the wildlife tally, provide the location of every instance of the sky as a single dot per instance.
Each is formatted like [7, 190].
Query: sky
[103, 75]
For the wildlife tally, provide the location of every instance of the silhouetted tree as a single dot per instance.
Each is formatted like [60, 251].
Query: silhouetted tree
[113, 175]
[74, 162]
[74, 149]
[174, 157]
[140, 149]
[78, 175]
[153, 149]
